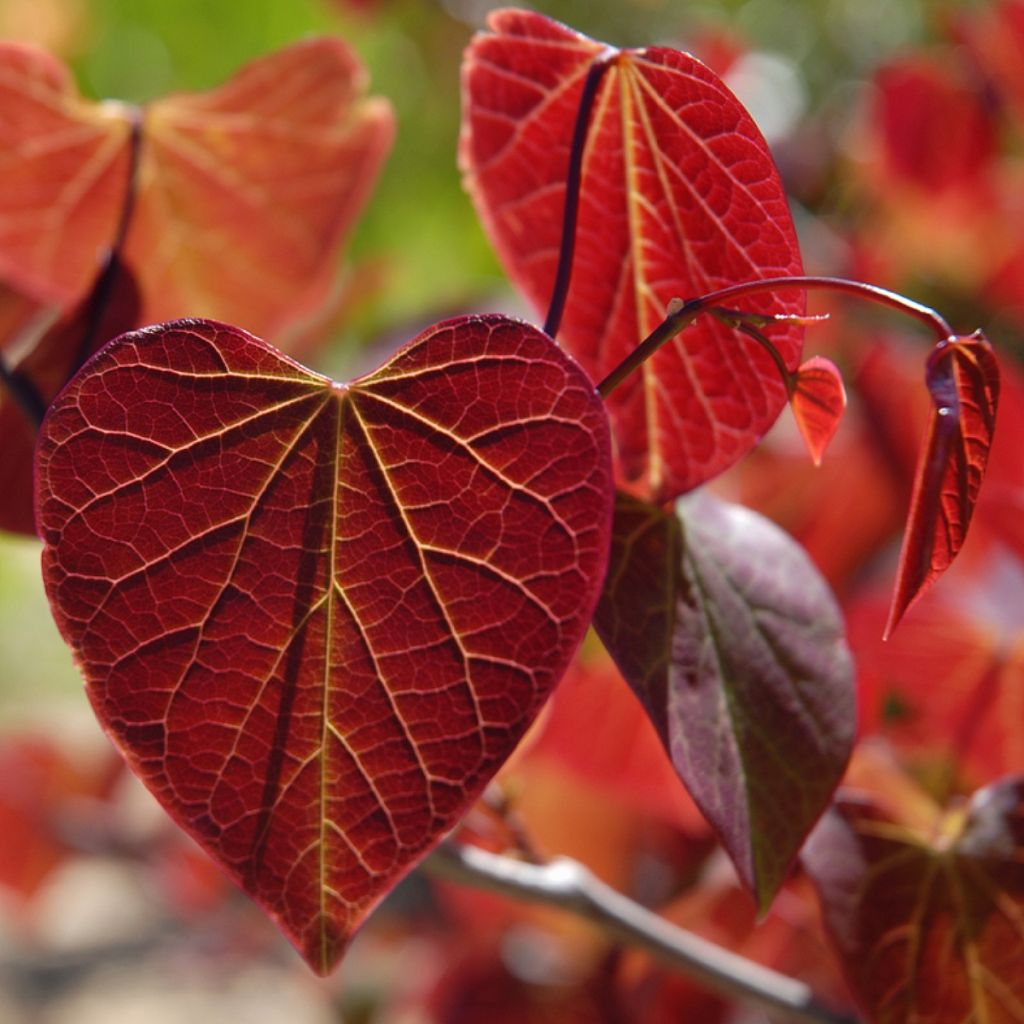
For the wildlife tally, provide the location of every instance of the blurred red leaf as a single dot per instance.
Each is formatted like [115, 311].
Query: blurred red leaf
[936, 130]
[963, 378]
[679, 197]
[597, 730]
[244, 194]
[818, 399]
[735, 647]
[995, 33]
[64, 165]
[41, 790]
[947, 689]
[316, 617]
[928, 926]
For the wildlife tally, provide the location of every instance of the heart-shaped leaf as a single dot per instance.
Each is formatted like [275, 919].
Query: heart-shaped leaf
[963, 378]
[246, 193]
[317, 617]
[734, 645]
[243, 195]
[928, 927]
[679, 197]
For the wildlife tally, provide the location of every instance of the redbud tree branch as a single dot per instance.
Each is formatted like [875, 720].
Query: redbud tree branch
[568, 885]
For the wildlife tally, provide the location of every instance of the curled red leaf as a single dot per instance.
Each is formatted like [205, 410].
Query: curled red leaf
[316, 618]
[963, 379]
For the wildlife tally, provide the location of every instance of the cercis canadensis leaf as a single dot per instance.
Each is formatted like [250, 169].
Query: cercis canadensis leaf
[679, 197]
[243, 195]
[817, 398]
[928, 927]
[963, 378]
[316, 618]
[734, 645]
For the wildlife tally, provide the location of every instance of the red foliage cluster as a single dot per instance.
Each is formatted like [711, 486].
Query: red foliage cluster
[317, 618]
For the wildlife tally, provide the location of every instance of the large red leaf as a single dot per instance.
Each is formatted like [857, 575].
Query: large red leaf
[679, 197]
[963, 378]
[317, 617]
[928, 927]
[244, 194]
[734, 645]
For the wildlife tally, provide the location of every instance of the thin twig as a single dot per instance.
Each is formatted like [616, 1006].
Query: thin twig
[569, 885]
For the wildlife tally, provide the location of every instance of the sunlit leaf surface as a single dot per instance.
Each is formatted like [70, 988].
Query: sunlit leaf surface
[317, 617]
[64, 166]
[679, 197]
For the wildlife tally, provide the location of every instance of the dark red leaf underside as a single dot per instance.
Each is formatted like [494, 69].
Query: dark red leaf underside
[818, 400]
[316, 618]
[928, 928]
[47, 367]
[963, 378]
[679, 197]
[734, 645]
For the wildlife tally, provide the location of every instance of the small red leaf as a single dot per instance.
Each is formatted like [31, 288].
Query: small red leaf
[818, 399]
[316, 618]
[734, 645]
[679, 197]
[963, 378]
[928, 927]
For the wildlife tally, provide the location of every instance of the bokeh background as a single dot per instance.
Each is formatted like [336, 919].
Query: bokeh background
[895, 124]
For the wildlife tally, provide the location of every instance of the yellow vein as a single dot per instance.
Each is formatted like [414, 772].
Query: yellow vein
[429, 579]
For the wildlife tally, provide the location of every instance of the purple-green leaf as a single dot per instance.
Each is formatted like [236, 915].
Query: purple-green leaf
[733, 643]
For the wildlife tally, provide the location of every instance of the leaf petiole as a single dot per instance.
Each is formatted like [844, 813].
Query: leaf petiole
[574, 177]
[103, 287]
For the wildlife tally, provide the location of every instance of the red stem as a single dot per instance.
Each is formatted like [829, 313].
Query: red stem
[692, 308]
